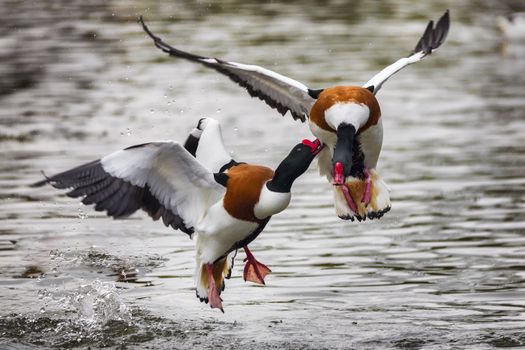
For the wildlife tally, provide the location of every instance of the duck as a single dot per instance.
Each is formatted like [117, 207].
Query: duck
[198, 189]
[347, 119]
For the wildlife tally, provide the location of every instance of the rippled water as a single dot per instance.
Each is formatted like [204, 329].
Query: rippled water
[445, 268]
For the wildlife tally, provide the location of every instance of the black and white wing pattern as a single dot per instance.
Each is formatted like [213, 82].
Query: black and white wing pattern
[432, 38]
[161, 178]
[278, 91]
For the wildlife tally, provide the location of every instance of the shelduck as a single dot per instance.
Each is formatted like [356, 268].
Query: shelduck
[347, 119]
[198, 189]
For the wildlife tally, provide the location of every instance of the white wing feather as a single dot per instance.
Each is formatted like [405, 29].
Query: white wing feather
[431, 39]
[178, 180]
[210, 150]
[377, 81]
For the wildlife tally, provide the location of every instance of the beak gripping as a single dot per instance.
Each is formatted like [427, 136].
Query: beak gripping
[315, 145]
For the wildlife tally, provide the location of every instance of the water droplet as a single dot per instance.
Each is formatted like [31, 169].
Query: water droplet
[235, 129]
[152, 111]
[42, 310]
[82, 215]
[218, 110]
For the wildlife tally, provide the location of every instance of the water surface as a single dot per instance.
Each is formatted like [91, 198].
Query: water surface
[444, 269]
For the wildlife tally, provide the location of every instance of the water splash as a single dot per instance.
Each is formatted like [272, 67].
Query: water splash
[92, 304]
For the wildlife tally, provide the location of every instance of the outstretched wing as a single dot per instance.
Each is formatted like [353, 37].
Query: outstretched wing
[161, 178]
[278, 91]
[432, 38]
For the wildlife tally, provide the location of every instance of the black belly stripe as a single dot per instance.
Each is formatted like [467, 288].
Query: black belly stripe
[358, 159]
[248, 239]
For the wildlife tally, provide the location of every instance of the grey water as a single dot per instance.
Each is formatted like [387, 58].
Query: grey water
[445, 268]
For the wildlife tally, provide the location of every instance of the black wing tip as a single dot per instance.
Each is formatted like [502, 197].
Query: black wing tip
[172, 51]
[140, 20]
[41, 182]
[434, 36]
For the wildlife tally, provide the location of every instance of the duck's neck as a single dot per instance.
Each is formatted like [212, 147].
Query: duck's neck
[271, 202]
[281, 182]
[290, 168]
[275, 195]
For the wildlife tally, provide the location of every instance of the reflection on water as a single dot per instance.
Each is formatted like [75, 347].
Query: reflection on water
[444, 267]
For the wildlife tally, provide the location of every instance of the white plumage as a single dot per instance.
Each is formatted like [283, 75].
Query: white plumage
[177, 179]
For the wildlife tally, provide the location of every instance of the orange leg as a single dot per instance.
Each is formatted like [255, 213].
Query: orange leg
[254, 271]
[367, 195]
[339, 180]
[213, 294]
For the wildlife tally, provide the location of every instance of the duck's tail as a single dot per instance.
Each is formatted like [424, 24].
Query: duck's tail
[222, 269]
[377, 206]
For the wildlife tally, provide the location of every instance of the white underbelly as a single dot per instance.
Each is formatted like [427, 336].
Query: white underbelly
[218, 231]
[371, 142]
